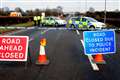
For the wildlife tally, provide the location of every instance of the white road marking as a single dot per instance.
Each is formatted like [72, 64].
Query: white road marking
[46, 30]
[77, 32]
[94, 65]
[30, 39]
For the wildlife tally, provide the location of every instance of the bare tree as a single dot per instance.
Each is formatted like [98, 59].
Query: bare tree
[91, 9]
[77, 13]
[48, 12]
[59, 10]
[29, 12]
[116, 10]
[18, 9]
[37, 12]
[6, 11]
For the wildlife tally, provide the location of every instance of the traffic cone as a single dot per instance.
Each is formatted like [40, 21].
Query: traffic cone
[42, 58]
[99, 59]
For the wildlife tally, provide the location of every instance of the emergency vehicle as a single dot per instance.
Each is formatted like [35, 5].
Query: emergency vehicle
[85, 22]
[53, 21]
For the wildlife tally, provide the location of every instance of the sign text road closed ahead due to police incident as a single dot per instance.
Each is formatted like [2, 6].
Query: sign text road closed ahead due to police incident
[13, 48]
[99, 42]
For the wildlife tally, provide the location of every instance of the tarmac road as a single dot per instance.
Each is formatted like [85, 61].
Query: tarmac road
[67, 60]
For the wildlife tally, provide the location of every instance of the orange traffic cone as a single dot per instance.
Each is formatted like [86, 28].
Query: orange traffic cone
[99, 59]
[42, 58]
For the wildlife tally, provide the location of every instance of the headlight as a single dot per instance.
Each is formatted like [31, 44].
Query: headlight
[103, 25]
[65, 22]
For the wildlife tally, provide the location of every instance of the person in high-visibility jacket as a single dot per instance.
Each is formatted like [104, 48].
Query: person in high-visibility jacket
[39, 20]
[42, 18]
[35, 20]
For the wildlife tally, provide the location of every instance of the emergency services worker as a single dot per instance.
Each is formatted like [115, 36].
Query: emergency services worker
[42, 19]
[35, 20]
[39, 20]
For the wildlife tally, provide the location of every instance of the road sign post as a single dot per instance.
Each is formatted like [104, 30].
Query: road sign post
[102, 42]
[13, 48]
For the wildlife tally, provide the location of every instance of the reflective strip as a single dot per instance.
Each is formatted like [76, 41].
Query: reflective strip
[70, 21]
[76, 22]
[80, 26]
[84, 23]
[42, 18]
[35, 18]
[38, 17]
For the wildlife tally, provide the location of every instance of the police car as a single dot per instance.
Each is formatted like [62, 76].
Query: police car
[85, 22]
[53, 21]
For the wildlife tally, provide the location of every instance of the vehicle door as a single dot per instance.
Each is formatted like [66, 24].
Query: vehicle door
[52, 21]
[84, 22]
[77, 21]
[46, 21]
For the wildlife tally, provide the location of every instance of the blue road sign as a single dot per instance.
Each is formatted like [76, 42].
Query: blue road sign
[99, 42]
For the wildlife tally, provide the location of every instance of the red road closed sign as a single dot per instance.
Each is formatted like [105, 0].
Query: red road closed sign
[13, 48]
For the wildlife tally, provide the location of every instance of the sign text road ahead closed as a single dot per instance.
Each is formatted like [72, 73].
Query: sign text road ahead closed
[13, 48]
[102, 42]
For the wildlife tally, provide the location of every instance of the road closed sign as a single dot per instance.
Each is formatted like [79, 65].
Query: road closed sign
[13, 48]
[99, 42]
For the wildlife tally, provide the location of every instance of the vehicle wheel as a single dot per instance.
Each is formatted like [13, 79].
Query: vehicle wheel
[43, 25]
[56, 24]
[72, 26]
[92, 27]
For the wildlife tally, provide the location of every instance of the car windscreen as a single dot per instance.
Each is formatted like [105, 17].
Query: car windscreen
[56, 18]
[74, 18]
[92, 20]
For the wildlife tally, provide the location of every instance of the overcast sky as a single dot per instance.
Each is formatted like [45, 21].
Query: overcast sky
[68, 5]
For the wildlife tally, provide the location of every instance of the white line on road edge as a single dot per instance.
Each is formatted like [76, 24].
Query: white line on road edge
[94, 65]
[46, 30]
[30, 39]
[77, 32]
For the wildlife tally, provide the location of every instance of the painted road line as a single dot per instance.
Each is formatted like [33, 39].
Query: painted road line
[77, 32]
[94, 65]
[31, 28]
[31, 39]
[15, 32]
[43, 32]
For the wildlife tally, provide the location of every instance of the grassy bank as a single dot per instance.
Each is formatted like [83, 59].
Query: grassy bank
[28, 24]
[5, 29]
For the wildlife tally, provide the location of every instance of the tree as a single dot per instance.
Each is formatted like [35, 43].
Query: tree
[37, 12]
[77, 13]
[1, 11]
[116, 10]
[18, 9]
[91, 9]
[6, 9]
[48, 12]
[29, 13]
[54, 12]
[59, 10]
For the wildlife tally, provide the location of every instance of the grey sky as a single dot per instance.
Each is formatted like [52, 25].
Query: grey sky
[68, 5]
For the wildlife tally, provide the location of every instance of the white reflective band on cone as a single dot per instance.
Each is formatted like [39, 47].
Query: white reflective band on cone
[42, 50]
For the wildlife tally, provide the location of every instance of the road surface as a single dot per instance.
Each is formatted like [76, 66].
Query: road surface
[66, 55]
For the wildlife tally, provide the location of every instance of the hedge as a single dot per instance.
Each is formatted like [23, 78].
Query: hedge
[7, 20]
